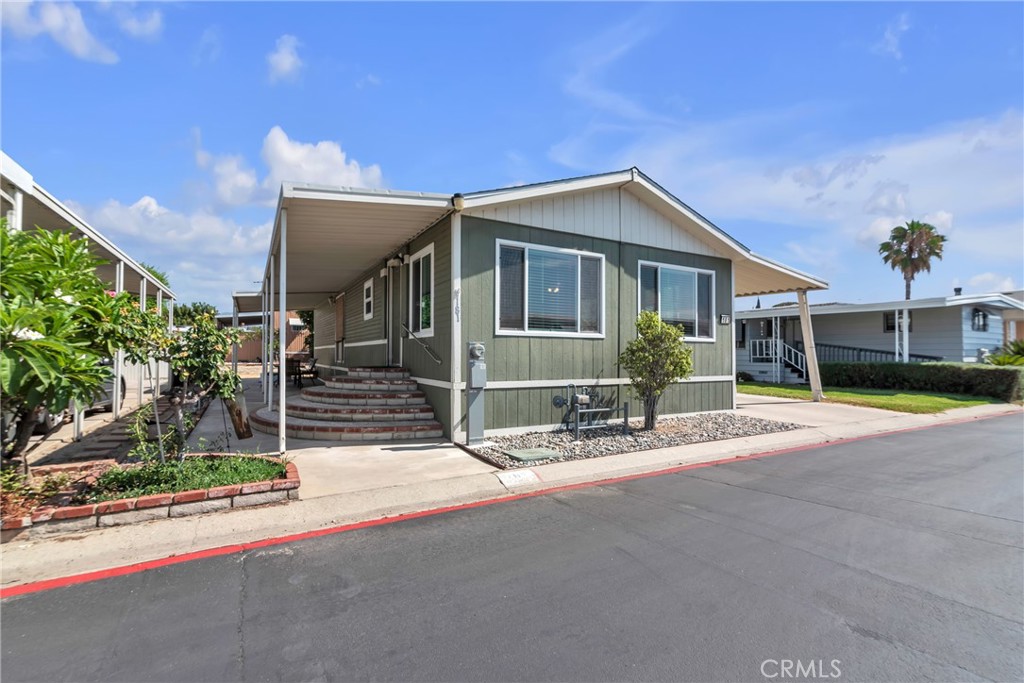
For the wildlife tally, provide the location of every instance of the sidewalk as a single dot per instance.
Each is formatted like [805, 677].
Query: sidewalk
[349, 484]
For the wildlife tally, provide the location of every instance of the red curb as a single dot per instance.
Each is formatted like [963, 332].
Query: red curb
[98, 575]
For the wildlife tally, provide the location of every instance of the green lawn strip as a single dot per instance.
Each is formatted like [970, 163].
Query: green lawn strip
[886, 399]
[175, 476]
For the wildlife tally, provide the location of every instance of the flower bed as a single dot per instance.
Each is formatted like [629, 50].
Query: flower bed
[102, 494]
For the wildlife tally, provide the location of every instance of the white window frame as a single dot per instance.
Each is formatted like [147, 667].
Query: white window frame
[427, 250]
[685, 269]
[526, 247]
[368, 299]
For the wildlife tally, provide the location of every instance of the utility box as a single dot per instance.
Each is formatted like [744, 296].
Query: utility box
[476, 382]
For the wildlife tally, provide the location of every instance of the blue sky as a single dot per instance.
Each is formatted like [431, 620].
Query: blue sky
[806, 130]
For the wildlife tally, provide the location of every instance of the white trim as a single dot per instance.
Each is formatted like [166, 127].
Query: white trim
[993, 300]
[614, 381]
[505, 196]
[426, 381]
[375, 342]
[419, 256]
[368, 284]
[526, 332]
[456, 318]
[696, 299]
[321, 348]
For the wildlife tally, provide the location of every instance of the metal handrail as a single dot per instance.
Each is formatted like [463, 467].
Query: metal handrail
[855, 354]
[430, 352]
[772, 349]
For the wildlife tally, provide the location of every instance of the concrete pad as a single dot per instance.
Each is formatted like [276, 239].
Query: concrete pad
[806, 412]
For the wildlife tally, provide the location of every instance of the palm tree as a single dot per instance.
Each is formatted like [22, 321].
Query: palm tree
[911, 248]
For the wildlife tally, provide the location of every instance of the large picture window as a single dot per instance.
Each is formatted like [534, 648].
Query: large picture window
[681, 296]
[545, 291]
[421, 292]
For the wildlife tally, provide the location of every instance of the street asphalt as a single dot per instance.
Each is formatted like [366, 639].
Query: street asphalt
[894, 558]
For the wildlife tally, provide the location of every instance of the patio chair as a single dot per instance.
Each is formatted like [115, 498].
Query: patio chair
[309, 371]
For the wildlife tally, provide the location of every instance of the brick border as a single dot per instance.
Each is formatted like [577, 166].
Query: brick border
[50, 520]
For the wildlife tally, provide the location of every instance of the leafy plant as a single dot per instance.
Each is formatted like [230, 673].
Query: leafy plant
[1010, 354]
[911, 248]
[57, 324]
[973, 379]
[186, 314]
[184, 475]
[657, 358]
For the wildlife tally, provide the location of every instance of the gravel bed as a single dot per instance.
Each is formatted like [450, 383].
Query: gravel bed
[595, 443]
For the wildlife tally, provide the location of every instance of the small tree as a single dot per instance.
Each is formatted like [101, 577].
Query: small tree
[655, 359]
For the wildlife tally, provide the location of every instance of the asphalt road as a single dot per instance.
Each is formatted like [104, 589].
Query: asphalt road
[900, 558]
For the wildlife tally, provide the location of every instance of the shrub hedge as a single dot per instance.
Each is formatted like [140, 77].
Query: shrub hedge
[945, 378]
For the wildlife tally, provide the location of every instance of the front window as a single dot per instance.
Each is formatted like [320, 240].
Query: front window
[889, 322]
[683, 297]
[548, 291]
[367, 299]
[979, 320]
[421, 292]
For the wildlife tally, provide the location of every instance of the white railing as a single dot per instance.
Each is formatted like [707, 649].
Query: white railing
[762, 350]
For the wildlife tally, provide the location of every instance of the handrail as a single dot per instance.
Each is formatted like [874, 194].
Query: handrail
[855, 354]
[772, 349]
[430, 352]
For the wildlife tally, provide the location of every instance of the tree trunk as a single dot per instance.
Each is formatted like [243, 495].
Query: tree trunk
[908, 281]
[26, 425]
[650, 412]
[239, 416]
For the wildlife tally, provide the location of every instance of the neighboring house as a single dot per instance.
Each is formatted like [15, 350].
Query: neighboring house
[28, 206]
[961, 328]
[550, 277]
[250, 350]
[1013, 319]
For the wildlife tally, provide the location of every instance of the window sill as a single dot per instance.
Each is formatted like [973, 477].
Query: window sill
[557, 335]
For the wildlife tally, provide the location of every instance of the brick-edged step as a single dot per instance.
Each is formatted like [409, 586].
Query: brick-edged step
[379, 373]
[371, 384]
[265, 420]
[299, 407]
[352, 397]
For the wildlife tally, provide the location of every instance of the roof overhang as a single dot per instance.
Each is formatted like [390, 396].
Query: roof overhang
[43, 210]
[336, 234]
[998, 301]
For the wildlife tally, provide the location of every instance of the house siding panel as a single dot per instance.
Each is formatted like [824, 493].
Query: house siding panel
[414, 357]
[558, 359]
[323, 333]
[974, 341]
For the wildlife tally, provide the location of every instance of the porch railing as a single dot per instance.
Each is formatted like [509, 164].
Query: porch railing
[852, 354]
[768, 350]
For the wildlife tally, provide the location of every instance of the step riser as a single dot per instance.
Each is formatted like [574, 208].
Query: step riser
[360, 416]
[379, 402]
[379, 375]
[397, 385]
[354, 436]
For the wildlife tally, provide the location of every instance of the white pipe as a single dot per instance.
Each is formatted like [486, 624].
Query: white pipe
[282, 438]
[115, 396]
[270, 335]
[19, 210]
[906, 335]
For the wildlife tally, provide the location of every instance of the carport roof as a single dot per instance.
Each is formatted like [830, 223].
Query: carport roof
[336, 233]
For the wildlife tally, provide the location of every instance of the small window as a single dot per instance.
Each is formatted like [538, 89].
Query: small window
[421, 292]
[549, 292]
[889, 322]
[367, 299]
[683, 297]
[979, 320]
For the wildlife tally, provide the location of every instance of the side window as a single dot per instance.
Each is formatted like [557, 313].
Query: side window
[367, 299]
[421, 292]
[683, 297]
[979, 320]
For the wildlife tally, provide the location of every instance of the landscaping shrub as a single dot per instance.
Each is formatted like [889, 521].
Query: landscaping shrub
[944, 378]
[173, 476]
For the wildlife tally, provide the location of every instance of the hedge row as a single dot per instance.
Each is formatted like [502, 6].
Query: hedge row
[945, 378]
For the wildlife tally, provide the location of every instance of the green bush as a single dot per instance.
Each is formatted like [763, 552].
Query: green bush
[180, 475]
[944, 378]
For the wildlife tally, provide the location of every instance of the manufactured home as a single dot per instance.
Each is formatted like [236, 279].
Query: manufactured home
[961, 328]
[548, 277]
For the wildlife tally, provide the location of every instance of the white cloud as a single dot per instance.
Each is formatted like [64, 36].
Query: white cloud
[205, 255]
[208, 49]
[368, 81]
[322, 163]
[284, 62]
[992, 282]
[890, 42]
[146, 24]
[63, 22]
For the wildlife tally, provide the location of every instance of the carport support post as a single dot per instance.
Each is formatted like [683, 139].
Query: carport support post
[142, 308]
[270, 335]
[264, 360]
[807, 330]
[234, 327]
[115, 407]
[905, 332]
[156, 361]
[19, 204]
[282, 438]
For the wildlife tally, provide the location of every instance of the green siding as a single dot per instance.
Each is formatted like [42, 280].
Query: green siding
[414, 357]
[511, 358]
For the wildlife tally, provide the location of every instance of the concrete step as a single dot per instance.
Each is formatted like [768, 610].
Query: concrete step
[299, 407]
[379, 373]
[357, 397]
[266, 421]
[372, 384]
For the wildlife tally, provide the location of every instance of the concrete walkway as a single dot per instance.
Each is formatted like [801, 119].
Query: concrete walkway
[348, 484]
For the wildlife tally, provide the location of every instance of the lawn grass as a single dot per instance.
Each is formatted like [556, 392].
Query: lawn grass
[175, 476]
[886, 399]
